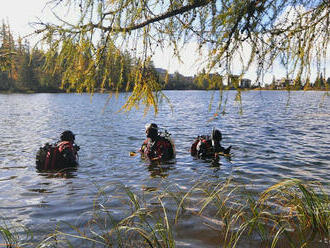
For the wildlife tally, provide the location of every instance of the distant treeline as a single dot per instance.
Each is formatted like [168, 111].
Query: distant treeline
[201, 81]
[320, 83]
[215, 81]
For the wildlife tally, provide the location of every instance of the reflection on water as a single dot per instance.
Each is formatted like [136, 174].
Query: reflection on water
[271, 140]
[160, 170]
[63, 174]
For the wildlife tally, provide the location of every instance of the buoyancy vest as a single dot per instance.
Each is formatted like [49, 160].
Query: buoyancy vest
[56, 156]
[162, 148]
[202, 147]
[193, 149]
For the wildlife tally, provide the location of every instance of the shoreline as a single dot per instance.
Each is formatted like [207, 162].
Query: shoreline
[109, 91]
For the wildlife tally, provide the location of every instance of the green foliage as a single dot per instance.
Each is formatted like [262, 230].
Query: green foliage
[147, 91]
[177, 81]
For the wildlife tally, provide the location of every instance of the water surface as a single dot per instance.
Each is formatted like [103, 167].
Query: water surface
[275, 135]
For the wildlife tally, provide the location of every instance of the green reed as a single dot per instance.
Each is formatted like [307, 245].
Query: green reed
[305, 211]
[288, 214]
[13, 236]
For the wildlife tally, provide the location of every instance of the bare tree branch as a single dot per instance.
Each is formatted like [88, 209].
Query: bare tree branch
[166, 15]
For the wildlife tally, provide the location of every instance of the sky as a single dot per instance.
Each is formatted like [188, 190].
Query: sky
[30, 10]
[21, 13]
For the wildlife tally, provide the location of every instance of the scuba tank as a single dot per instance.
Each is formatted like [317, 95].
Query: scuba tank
[166, 135]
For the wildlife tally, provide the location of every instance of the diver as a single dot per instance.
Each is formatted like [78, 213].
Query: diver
[209, 147]
[158, 146]
[61, 155]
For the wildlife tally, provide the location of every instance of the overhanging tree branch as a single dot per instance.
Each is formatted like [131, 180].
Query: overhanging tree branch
[257, 30]
[166, 15]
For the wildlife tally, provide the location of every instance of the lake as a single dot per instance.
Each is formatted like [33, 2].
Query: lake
[274, 135]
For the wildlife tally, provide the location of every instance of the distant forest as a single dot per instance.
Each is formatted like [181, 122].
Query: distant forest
[24, 69]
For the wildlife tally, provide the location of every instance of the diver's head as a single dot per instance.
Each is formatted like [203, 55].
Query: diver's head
[216, 135]
[151, 130]
[67, 136]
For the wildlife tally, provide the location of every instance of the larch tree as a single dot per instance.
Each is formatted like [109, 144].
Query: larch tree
[256, 32]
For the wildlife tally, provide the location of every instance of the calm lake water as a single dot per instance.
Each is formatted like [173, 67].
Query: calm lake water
[274, 136]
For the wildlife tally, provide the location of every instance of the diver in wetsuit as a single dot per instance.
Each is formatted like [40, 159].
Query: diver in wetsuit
[68, 150]
[216, 139]
[206, 147]
[58, 156]
[156, 147]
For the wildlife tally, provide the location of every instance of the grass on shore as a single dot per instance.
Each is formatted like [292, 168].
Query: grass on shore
[288, 214]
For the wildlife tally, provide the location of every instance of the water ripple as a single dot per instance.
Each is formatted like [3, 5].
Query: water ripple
[271, 140]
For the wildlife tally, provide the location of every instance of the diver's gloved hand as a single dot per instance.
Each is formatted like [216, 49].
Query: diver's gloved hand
[69, 157]
[227, 150]
[76, 147]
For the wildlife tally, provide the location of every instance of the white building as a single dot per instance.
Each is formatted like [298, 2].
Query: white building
[245, 83]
